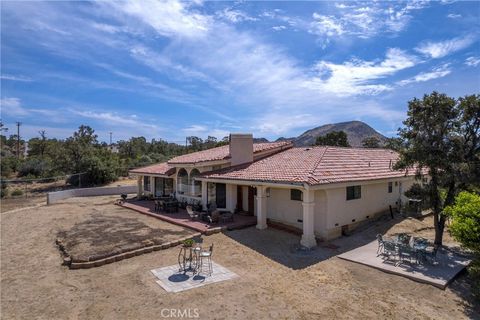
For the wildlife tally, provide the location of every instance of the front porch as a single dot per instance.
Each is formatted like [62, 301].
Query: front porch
[182, 218]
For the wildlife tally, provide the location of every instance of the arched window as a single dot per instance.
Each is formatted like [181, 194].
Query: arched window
[182, 181]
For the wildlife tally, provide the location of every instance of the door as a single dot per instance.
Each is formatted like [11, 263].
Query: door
[251, 195]
[221, 195]
[239, 198]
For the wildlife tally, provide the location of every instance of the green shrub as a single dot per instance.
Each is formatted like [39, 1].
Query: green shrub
[17, 192]
[465, 216]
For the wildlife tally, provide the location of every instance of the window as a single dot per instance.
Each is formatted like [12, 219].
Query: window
[146, 183]
[354, 192]
[390, 187]
[296, 195]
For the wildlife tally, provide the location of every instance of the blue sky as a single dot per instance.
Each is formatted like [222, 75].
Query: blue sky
[172, 69]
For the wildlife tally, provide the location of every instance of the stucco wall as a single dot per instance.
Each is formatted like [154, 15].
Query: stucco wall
[53, 197]
[281, 208]
[374, 199]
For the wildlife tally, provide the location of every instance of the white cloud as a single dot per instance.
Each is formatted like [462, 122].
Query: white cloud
[437, 72]
[115, 119]
[279, 28]
[454, 16]
[12, 107]
[15, 78]
[235, 16]
[472, 61]
[442, 48]
[326, 25]
[356, 76]
[364, 20]
[168, 18]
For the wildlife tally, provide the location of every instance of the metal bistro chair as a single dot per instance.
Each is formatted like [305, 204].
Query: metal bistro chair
[380, 244]
[205, 258]
[193, 215]
[389, 249]
[407, 251]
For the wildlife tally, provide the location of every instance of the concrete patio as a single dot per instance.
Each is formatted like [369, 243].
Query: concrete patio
[449, 264]
[182, 218]
[172, 280]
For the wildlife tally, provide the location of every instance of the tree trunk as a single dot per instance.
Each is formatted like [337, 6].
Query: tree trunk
[438, 219]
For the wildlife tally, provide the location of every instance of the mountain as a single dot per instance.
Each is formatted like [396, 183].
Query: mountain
[355, 130]
[260, 140]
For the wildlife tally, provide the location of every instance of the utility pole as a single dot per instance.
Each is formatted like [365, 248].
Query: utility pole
[18, 138]
[110, 137]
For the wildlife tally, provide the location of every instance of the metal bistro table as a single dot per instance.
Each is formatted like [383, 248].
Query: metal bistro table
[188, 259]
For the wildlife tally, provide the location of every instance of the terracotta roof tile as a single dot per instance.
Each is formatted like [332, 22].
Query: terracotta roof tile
[222, 153]
[317, 165]
[159, 168]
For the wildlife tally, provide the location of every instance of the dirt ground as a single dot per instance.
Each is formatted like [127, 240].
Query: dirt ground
[109, 230]
[275, 281]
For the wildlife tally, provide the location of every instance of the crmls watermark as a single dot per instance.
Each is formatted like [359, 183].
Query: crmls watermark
[180, 313]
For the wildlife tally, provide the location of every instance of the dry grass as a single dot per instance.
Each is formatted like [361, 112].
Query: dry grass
[274, 282]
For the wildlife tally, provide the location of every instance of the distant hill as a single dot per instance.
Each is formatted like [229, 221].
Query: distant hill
[260, 140]
[355, 130]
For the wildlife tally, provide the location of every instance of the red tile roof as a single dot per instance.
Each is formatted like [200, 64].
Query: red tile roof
[317, 165]
[159, 169]
[222, 153]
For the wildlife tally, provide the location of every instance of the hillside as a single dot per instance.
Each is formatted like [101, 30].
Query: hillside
[355, 130]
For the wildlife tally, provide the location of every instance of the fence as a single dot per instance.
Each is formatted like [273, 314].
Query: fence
[25, 188]
[54, 197]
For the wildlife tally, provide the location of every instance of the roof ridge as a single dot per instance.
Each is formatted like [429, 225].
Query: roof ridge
[310, 173]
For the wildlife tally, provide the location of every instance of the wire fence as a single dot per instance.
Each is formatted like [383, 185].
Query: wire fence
[25, 188]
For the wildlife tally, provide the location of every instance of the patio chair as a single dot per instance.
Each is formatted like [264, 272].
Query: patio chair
[193, 215]
[215, 217]
[158, 205]
[226, 217]
[406, 251]
[389, 249]
[430, 254]
[380, 244]
[206, 258]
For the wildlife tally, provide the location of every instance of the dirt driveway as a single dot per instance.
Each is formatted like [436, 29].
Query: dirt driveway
[274, 282]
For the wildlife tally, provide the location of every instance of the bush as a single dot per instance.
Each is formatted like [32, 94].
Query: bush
[465, 216]
[34, 168]
[17, 192]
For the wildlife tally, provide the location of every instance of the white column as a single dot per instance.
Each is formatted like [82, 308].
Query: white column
[204, 195]
[261, 207]
[139, 186]
[308, 236]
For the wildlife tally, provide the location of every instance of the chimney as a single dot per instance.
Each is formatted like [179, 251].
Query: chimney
[241, 148]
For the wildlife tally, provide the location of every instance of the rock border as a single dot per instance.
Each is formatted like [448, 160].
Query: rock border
[67, 260]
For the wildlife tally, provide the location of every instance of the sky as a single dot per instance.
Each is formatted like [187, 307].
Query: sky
[172, 69]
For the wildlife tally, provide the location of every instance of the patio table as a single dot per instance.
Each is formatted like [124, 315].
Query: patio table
[188, 259]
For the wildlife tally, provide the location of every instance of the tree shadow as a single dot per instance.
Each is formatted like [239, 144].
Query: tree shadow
[283, 247]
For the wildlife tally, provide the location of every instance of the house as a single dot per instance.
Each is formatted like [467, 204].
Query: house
[322, 191]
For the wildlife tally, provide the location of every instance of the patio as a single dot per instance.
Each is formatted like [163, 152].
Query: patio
[449, 264]
[182, 218]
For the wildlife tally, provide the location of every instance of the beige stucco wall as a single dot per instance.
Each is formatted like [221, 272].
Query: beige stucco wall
[375, 199]
[280, 208]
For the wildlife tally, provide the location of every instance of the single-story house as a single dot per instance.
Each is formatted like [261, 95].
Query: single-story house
[321, 190]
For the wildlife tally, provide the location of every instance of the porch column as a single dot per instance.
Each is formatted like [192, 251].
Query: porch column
[308, 236]
[204, 195]
[261, 207]
[139, 186]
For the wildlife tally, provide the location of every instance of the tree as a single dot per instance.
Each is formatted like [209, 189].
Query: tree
[434, 139]
[371, 142]
[465, 216]
[334, 139]
[395, 144]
